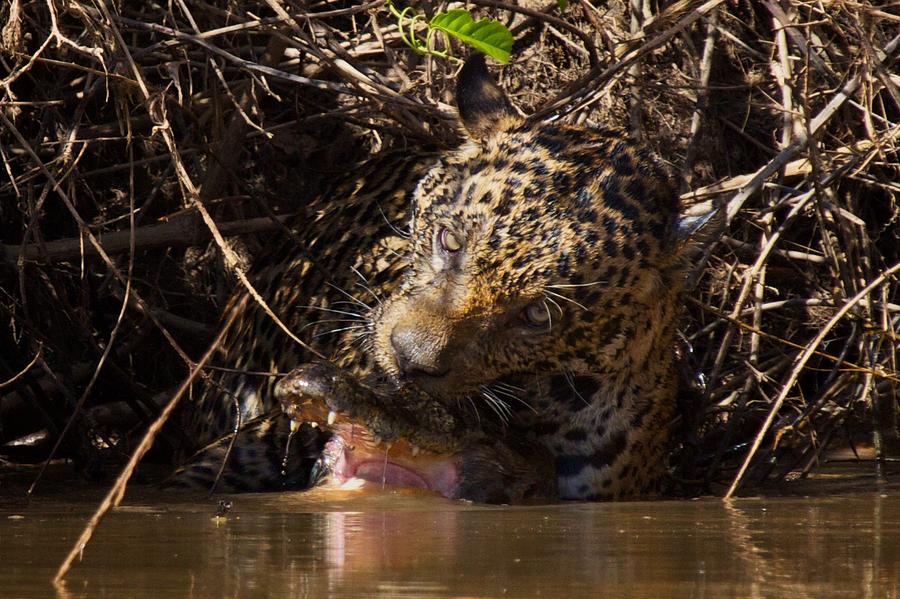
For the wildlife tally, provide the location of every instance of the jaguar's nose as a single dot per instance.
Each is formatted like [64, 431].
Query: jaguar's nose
[418, 354]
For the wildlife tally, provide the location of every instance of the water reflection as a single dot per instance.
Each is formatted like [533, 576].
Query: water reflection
[818, 547]
[398, 546]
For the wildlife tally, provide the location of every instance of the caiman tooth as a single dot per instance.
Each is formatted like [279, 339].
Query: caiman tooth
[314, 424]
[332, 416]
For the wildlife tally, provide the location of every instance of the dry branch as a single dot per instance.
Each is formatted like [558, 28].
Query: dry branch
[182, 230]
[117, 491]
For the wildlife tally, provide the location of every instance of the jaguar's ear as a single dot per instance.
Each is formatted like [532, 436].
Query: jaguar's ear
[701, 225]
[483, 107]
[698, 230]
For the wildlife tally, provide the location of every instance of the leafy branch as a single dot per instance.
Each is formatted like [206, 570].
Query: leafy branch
[485, 35]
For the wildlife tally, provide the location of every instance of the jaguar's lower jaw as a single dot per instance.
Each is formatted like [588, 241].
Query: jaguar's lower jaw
[356, 461]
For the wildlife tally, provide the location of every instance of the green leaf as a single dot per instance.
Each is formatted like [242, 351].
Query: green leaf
[487, 35]
[562, 5]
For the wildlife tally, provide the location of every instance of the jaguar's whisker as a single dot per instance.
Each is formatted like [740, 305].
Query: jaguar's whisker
[568, 299]
[499, 407]
[570, 378]
[399, 232]
[506, 385]
[352, 298]
[355, 315]
[474, 409]
[365, 286]
[325, 320]
[513, 396]
[332, 331]
[571, 285]
[549, 317]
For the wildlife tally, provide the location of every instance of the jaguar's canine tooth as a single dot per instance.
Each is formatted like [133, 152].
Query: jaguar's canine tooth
[332, 416]
[295, 425]
[414, 449]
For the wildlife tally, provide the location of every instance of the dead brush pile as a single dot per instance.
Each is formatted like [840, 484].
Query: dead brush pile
[140, 139]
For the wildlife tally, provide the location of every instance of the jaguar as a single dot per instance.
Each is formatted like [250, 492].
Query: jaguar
[495, 323]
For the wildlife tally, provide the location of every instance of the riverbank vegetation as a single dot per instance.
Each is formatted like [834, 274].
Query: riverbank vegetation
[151, 149]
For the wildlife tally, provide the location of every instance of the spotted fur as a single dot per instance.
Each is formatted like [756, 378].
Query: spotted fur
[539, 279]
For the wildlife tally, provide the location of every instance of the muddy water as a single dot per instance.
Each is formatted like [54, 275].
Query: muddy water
[397, 544]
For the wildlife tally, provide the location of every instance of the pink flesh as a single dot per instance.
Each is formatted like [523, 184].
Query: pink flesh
[439, 474]
[391, 474]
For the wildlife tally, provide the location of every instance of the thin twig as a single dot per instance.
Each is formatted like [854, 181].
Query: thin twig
[186, 229]
[191, 193]
[799, 363]
[117, 491]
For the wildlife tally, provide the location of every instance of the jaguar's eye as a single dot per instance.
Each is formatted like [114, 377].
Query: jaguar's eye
[449, 241]
[536, 314]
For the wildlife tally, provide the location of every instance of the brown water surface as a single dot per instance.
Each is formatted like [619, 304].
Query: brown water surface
[404, 544]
